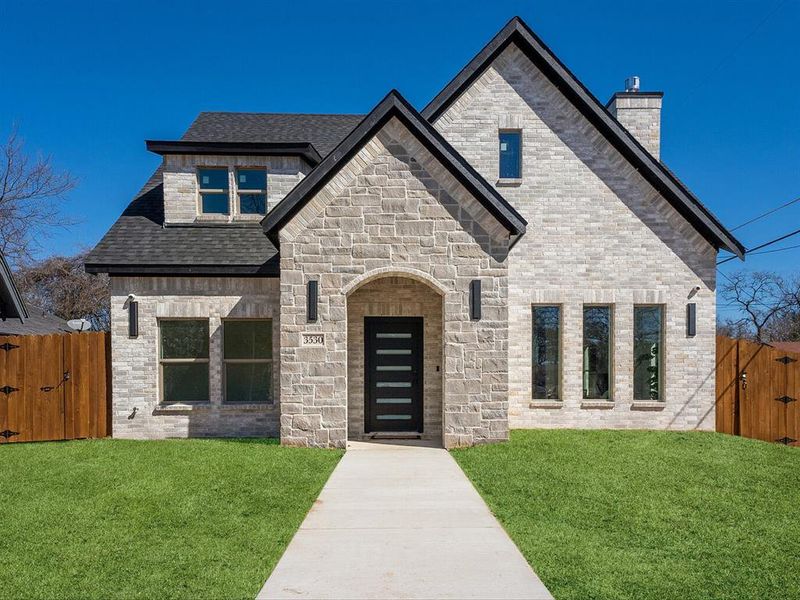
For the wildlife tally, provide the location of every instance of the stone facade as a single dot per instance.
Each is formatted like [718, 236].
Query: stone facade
[181, 196]
[137, 408]
[395, 297]
[598, 233]
[393, 210]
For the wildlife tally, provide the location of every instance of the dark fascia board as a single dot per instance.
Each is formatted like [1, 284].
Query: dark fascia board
[517, 32]
[10, 291]
[306, 150]
[269, 269]
[393, 105]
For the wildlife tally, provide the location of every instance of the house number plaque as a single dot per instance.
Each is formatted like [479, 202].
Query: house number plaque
[313, 339]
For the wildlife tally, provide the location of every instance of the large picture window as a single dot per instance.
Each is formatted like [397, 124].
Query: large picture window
[247, 356]
[648, 351]
[183, 360]
[597, 352]
[213, 186]
[546, 352]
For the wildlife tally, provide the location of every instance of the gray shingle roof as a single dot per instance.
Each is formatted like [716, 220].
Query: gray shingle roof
[323, 131]
[38, 322]
[139, 243]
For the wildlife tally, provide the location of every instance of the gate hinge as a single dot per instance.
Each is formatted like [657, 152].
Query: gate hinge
[786, 440]
[7, 389]
[7, 433]
[786, 399]
[8, 346]
[786, 360]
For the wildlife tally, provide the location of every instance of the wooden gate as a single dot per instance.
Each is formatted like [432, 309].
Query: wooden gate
[54, 387]
[758, 391]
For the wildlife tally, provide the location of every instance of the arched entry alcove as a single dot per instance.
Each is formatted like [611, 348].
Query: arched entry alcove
[395, 356]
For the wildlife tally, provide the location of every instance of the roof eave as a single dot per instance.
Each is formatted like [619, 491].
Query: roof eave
[303, 149]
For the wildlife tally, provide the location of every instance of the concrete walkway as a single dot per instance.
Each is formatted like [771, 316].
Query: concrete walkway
[399, 521]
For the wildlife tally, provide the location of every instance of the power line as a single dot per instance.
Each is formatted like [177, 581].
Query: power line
[766, 214]
[778, 249]
[764, 245]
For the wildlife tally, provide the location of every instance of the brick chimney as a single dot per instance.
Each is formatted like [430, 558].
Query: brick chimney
[640, 113]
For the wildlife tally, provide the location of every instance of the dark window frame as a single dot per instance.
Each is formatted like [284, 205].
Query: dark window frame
[518, 134]
[661, 352]
[559, 353]
[162, 362]
[270, 399]
[610, 393]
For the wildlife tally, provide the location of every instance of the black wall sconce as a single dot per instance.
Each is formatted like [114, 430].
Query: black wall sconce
[691, 319]
[313, 300]
[475, 299]
[133, 318]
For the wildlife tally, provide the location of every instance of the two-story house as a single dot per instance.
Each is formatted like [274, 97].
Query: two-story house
[514, 255]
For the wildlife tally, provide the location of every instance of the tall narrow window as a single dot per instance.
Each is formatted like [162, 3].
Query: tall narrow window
[247, 356]
[251, 186]
[184, 360]
[597, 352]
[648, 338]
[213, 186]
[510, 155]
[546, 351]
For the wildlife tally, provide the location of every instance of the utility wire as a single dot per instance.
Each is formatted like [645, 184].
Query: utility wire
[766, 214]
[764, 245]
[777, 250]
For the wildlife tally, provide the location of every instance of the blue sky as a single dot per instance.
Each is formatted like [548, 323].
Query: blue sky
[88, 82]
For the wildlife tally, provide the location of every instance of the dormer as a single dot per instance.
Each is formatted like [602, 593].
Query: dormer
[234, 167]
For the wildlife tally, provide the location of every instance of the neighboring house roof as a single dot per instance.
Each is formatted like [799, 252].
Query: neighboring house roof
[517, 32]
[140, 244]
[787, 346]
[394, 105]
[11, 303]
[38, 322]
[324, 132]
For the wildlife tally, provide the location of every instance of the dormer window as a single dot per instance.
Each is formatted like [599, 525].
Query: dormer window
[251, 188]
[214, 196]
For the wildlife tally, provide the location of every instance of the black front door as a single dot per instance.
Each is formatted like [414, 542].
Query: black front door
[393, 390]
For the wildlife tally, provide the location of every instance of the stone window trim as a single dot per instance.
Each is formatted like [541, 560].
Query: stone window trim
[234, 203]
[270, 400]
[657, 404]
[162, 401]
[550, 402]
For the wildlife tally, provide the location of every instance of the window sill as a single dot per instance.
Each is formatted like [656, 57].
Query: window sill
[547, 404]
[597, 404]
[181, 407]
[247, 406]
[509, 181]
[213, 218]
[647, 405]
[249, 217]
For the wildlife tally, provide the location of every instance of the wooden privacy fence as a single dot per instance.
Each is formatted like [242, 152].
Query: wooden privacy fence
[758, 391]
[54, 387]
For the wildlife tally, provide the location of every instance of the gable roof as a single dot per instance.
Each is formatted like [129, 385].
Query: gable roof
[11, 303]
[676, 193]
[323, 131]
[394, 105]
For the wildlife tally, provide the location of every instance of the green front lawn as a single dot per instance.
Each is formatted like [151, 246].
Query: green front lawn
[165, 519]
[647, 515]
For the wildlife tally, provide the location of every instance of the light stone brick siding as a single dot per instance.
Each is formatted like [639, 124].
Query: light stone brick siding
[642, 118]
[395, 297]
[597, 233]
[137, 412]
[393, 209]
[181, 198]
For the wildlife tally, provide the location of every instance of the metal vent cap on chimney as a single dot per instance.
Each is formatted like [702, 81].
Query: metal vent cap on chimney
[632, 83]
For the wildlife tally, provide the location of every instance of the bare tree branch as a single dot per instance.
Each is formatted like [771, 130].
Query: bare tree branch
[31, 191]
[761, 295]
